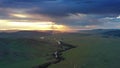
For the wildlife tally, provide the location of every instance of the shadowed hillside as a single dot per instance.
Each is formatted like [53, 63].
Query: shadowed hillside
[21, 50]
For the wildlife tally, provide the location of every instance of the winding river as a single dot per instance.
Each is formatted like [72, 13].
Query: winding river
[57, 55]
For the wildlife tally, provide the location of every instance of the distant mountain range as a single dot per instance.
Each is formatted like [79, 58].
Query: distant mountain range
[26, 34]
[113, 33]
[103, 32]
[97, 30]
[33, 34]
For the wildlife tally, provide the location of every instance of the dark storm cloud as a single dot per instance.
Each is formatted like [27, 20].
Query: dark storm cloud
[79, 6]
[24, 0]
[65, 7]
[80, 20]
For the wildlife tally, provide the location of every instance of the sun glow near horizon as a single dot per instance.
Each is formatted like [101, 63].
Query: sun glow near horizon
[10, 25]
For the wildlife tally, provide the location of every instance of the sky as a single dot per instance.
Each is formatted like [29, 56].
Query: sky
[64, 14]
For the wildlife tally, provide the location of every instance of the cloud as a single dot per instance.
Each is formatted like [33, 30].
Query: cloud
[66, 7]
[118, 17]
[80, 20]
[68, 12]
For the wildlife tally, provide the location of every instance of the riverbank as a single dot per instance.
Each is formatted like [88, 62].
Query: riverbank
[57, 55]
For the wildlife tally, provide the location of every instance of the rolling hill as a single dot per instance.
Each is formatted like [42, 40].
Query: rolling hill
[25, 52]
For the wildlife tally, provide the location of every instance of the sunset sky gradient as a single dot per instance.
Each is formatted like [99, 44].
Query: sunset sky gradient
[66, 15]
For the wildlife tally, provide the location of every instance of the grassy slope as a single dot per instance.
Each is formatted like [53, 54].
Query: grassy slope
[25, 53]
[91, 52]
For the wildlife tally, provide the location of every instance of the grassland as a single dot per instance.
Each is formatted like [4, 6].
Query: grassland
[91, 52]
[24, 52]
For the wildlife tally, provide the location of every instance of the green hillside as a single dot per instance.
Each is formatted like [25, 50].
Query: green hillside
[24, 52]
[92, 52]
